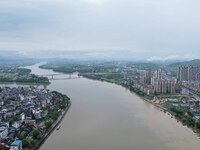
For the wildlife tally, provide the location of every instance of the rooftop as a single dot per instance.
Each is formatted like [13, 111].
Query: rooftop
[16, 142]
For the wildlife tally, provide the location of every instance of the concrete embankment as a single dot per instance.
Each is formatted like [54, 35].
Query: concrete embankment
[53, 127]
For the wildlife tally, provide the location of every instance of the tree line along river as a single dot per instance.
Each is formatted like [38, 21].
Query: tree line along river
[105, 116]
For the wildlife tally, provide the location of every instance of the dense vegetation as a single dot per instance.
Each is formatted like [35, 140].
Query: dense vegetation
[30, 143]
[61, 103]
[83, 67]
[15, 74]
[22, 71]
[183, 115]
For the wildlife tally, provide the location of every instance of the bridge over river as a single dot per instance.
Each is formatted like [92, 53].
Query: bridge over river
[71, 75]
[60, 76]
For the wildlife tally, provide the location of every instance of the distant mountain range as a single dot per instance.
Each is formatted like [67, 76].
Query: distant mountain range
[14, 58]
[195, 62]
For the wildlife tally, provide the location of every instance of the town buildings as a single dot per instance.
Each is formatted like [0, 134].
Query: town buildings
[159, 82]
[3, 131]
[16, 145]
[189, 77]
[188, 73]
[156, 82]
[145, 77]
[164, 86]
[22, 110]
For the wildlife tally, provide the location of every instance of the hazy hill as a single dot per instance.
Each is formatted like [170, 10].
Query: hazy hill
[14, 58]
[195, 62]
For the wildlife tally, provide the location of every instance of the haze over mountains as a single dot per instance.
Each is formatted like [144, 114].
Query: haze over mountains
[53, 56]
[106, 55]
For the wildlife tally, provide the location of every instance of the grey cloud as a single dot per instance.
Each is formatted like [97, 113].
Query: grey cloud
[146, 28]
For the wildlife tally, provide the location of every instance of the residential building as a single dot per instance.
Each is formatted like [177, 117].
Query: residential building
[188, 73]
[3, 131]
[145, 77]
[157, 82]
[16, 145]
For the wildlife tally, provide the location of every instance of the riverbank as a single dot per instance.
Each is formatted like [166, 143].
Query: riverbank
[53, 127]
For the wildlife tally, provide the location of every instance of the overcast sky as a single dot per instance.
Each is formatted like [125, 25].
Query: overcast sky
[132, 29]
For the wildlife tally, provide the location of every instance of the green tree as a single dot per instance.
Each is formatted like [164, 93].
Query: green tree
[47, 124]
[32, 143]
[25, 143]
[21, 136]
[198, 124]
[36, 135]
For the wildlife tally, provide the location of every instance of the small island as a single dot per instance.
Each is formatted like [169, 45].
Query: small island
[13, 73]
[28, 115]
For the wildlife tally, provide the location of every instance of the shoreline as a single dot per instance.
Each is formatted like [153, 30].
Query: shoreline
[53, 127]
[25, 83]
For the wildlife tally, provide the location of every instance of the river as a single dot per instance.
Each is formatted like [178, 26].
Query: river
[105, 116]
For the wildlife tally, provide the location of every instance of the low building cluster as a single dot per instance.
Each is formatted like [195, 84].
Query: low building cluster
[22, 111]
[190, 104]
